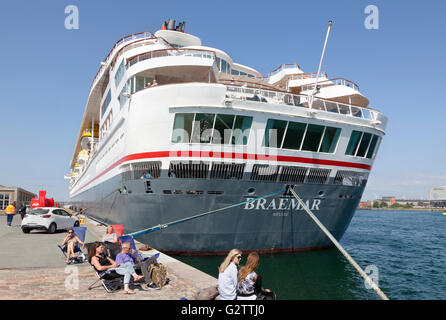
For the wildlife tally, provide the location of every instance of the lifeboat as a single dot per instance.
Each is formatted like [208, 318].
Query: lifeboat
[77, 168]
[86, 139]
[83, 156]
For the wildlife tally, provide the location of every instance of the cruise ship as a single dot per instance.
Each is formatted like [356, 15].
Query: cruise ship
[173, 128]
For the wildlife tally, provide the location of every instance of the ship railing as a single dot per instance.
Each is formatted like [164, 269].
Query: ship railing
[136, 36]
[280, 68]
[308, 75]
[207, 54]
[299, 101]
[332, 82]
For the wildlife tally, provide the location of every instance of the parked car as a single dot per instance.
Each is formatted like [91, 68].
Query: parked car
[49, 219]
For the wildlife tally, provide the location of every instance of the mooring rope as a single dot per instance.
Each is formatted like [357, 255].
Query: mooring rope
[163, 226]
[369, 281]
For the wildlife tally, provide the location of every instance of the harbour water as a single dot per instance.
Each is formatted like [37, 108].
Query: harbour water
[405, 249]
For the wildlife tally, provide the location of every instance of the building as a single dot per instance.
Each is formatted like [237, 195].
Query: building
[365, 204]
[388, 200]
[14, 194]
[437, 193]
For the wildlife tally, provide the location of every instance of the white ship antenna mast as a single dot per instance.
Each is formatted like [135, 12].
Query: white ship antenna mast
[315, 89]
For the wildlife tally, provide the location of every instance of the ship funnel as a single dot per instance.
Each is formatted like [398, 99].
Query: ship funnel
[171, 25]
[164, 25]
[183, 25]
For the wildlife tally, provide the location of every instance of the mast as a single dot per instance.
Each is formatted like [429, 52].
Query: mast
[330, 23]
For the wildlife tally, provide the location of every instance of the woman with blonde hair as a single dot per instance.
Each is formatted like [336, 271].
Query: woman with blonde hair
[110, 236]
[227, 277]
[249, 282]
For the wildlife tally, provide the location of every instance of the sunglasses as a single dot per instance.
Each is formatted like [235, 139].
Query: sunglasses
[239, 257]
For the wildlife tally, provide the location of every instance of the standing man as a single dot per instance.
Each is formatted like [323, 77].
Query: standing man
[22, 210]
[10, 210]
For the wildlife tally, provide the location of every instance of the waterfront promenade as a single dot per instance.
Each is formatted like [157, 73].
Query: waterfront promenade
[32, 267]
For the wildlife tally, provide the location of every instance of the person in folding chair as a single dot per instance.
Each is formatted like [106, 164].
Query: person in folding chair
[72, 241]
[129, 255]
[103, 265]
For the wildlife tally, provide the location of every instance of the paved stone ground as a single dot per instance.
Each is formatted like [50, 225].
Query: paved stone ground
[33, 268]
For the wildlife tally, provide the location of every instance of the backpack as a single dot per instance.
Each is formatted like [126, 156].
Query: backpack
[158, 274]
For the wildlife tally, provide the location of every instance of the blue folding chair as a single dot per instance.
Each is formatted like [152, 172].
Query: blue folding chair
[80, 233]
[130, 239]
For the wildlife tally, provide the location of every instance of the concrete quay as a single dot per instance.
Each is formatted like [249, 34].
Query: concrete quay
[32, 267]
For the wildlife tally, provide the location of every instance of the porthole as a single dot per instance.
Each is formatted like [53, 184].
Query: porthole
[321, 193]
[251, 191]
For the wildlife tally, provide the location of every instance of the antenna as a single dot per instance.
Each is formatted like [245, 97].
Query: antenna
[315, 89]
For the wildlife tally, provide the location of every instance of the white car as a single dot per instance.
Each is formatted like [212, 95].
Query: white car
[49, 219]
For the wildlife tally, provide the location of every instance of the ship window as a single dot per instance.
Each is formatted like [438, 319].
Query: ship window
[240, 133]
[106, 103]
[187, 170]
[318, 176]
[330, 139]
[119, 73]
[262, 172]
[147, 170]
[313, 137]
[142, 82]
[356, 112]
[372, 146]
[194, 192]
[223, 128]
[223, 65]
[128, 88]
[293, 174]
[294, 135]
[331, 106]
[202, 127]
[227, 129]
[344, 109]
[227, 171]
[182, 127]
[216, 192]
[274, 133]
[365, 141]
[318, 105]
[353, 143]
[350, 178]
[141, 170]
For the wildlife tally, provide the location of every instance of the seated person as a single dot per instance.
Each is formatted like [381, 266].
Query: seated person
[103, 264]
[249, 283]
[110, 236]
[71, 241]
[128, 255]
[154, 83]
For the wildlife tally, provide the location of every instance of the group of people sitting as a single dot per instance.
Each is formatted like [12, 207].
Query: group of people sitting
[243, 284]
[126, 262]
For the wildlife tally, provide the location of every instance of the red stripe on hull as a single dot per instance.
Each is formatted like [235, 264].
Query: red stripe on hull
[227, 155]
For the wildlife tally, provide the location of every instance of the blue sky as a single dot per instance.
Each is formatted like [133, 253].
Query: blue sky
[47, 71]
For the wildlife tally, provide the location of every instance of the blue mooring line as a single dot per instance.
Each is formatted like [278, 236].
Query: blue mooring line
[166, 225]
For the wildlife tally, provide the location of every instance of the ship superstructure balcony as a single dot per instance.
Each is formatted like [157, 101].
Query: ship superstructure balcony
[338, 90]
[280, 75]
[262, 95]
[175, 65]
